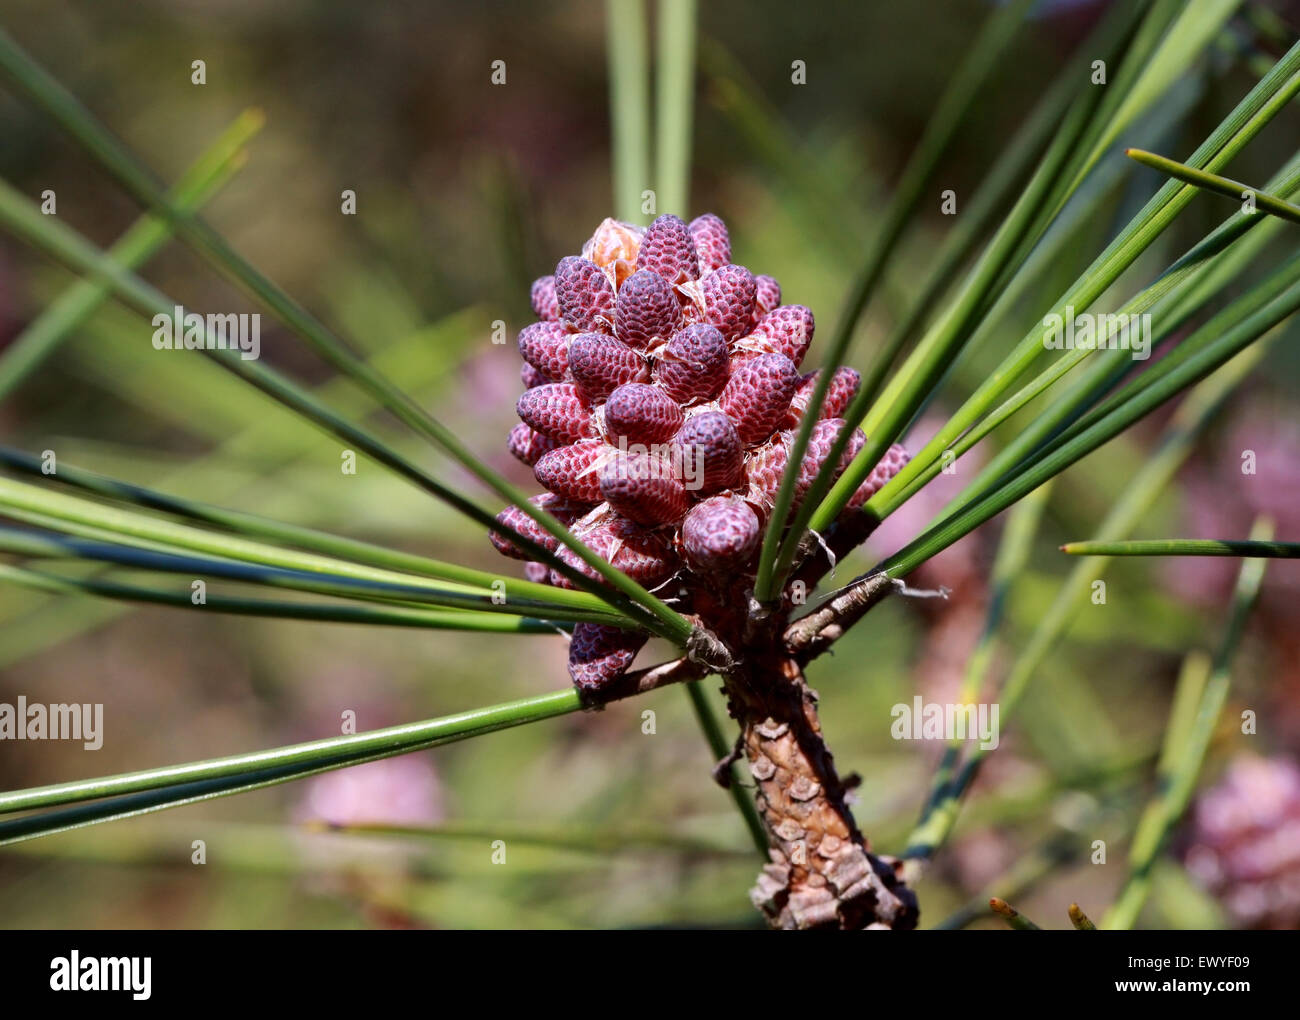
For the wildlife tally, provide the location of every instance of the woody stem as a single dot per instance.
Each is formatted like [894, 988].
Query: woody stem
[822, 873]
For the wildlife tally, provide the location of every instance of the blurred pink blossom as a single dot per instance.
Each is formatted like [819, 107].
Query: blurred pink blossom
[1223, 499]
[1245, 841]
[392, 791]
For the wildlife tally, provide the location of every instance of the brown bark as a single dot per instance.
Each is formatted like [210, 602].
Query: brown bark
[822, 873]
[812, 634]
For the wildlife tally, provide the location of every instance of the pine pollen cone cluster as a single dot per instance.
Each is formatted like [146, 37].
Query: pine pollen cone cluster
[662, 397]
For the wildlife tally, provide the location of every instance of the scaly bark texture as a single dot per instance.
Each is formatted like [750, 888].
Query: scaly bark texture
[822, 873]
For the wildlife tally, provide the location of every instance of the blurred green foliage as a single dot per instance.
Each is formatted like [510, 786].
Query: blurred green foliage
[465, 192]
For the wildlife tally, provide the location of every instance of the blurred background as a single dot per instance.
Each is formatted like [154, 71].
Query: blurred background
[465, 192]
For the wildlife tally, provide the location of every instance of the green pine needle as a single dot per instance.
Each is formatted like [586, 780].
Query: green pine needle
[1219, 185]
[1187, 743]
[1186, 547]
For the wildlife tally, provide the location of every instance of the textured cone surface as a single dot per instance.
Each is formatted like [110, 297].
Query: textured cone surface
[856, 442]
[585, 295]
[600, 364]
[542, 298]
[656, 337]
[787, 330]
[823, 436]
[530, 377]
[767, 295]
[667, 249]
[720, 534]
[643, 489]
[513, 517]
[570, 471]
[527, 445]
[647, 310]
[545, 346]
[711, 453]
[763, 470]
[641, 413]
[712, 242]
[894, 460]
[694, 364]
[644, 555]
[728, 294]
[556, 410]
[843, 388]
[758, 394]
[599, 654]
